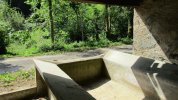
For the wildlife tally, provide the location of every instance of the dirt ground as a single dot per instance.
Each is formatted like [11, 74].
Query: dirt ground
[17, 85]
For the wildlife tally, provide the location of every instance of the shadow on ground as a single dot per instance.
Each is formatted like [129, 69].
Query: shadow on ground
[8, 68]
[65, 88]
[157, 80]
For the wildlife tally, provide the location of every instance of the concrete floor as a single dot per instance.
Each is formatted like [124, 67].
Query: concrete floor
[110, 90]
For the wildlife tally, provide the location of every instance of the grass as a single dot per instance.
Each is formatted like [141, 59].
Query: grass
[38, 44]
[10, 77]
[19, 50]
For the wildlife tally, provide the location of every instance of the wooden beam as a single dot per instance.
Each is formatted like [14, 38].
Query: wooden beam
[113, 2]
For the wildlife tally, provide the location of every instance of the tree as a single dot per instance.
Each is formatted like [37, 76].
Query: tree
[39, 16]
[81, 21]
[3, 40]
[76, 8]
[97, 20]
[119, 21]
[51, 20]
[108, 21]
[3, 28]
[130, 22]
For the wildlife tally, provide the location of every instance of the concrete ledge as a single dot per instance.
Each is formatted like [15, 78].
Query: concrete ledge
[60, 85]
[24, 94]
[119, 65]
[59, 62]
[158, 80]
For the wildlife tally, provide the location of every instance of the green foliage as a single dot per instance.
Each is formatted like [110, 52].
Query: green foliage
[10, 21]
[76, 25]
[44, 48]
[20, 36]
[119, 20]
[80, 21]
[4, 26]
[30, 43]
[9, 77]
[21, 50]
[78, 44]
[126, 40]
[3, 33]
[12, 17]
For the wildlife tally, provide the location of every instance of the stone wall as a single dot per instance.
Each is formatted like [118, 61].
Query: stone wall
[156, 30]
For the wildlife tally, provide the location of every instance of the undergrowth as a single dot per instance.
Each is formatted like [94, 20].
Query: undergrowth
[10, 77]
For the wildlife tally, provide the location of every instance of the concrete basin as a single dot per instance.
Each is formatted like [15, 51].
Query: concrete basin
[102, 81]
[113, 76]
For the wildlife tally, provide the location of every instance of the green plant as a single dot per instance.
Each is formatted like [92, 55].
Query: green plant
[12, 16]
[6, 78]
[26, 74]
[126, 40]
[20, 36]
[10, 21]
[78, 44]
[4, 26]
[104, 42]
[22, 50]
[30, 43]
[58, 46]
[68, 47]
[4, 39]
[9, 77]
[45, 48]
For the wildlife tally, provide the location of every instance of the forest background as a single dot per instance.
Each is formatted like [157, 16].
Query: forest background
[32, 27]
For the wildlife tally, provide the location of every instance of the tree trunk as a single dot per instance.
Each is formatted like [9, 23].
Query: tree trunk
[82, 27]
[51, 21]
[3, 42]
[130, 23]
[9, 2]
[97, 36]
[96, 30]
[108, 21]
[79, 24]
[3, 50]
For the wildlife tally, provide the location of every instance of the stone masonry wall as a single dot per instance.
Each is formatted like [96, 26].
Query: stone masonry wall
[156, 30]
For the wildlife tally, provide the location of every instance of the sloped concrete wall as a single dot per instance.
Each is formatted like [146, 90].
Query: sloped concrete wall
[85, 71]
[157, 80]
[156, 30]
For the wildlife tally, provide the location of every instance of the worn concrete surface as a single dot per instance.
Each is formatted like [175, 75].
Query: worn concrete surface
[84, 71]
[155, 30]
[119, 66]
[60, 85]
[22, 94]
[61, 80]
[111, 90]
[143, 78]
[13, 64]
[98, 82]
[125, 77]
[157, 80]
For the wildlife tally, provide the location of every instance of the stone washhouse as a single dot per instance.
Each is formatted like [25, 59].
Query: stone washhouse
[151, 73]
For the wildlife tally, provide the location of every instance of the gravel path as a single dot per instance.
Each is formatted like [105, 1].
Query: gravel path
[13, 64]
